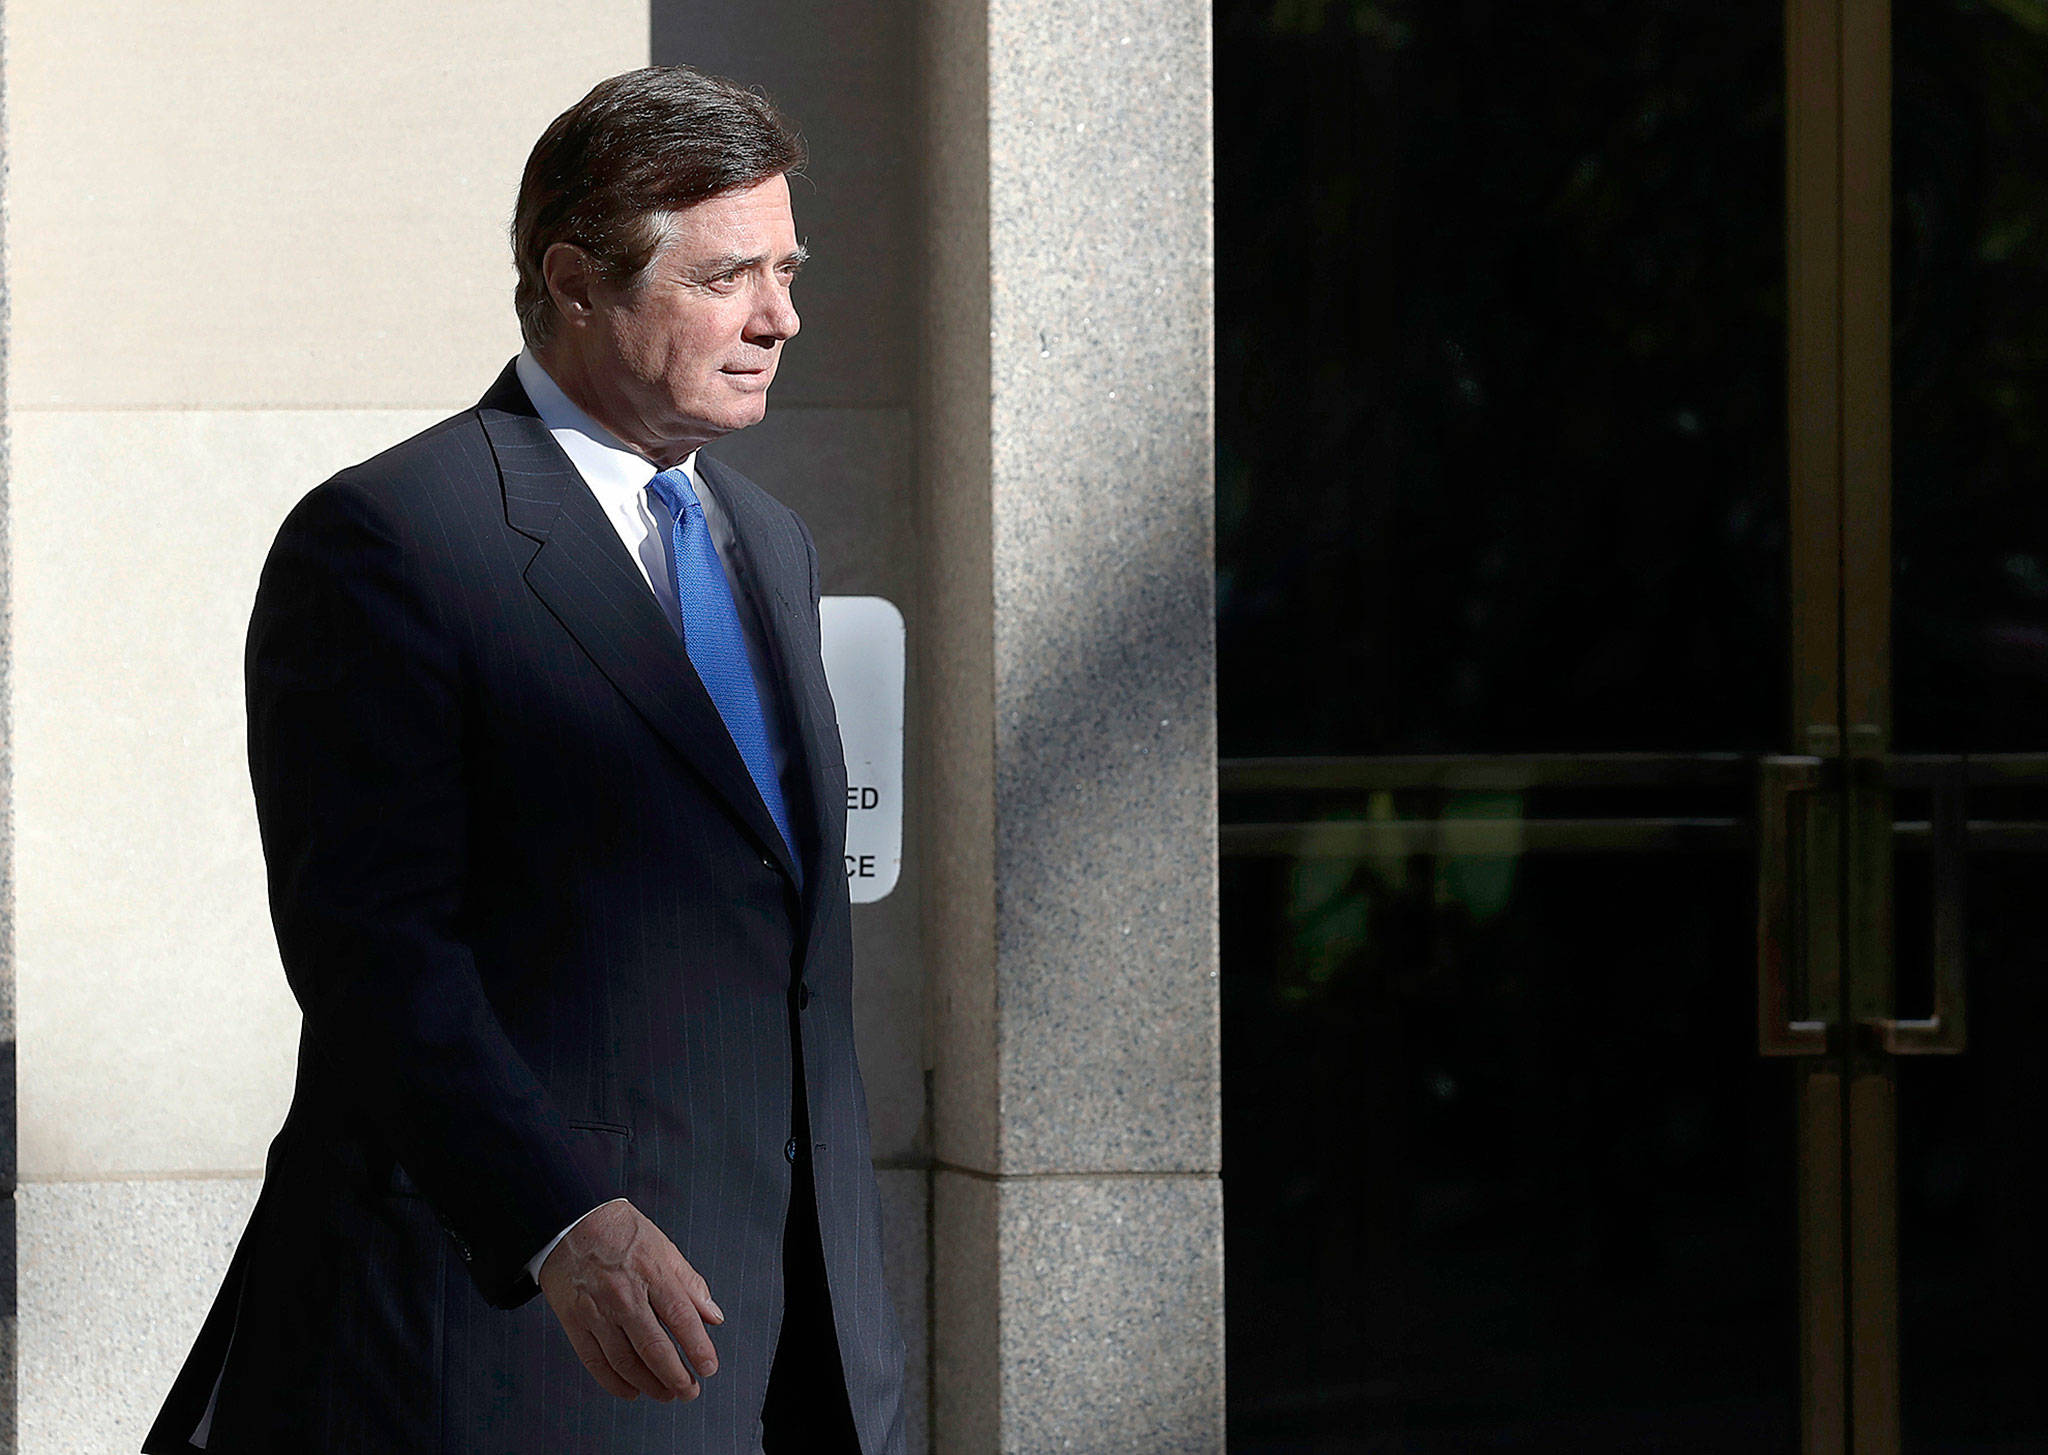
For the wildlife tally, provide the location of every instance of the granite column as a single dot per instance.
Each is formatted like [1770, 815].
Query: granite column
[1067, 699]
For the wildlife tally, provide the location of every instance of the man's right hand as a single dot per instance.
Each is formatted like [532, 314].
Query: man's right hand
[621, 1289]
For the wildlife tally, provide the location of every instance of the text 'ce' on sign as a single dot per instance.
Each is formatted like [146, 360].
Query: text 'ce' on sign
[863, 648]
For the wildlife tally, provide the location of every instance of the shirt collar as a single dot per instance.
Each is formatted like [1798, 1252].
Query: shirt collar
[615, 473]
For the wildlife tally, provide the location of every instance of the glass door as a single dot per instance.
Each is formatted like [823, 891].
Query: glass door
[1530, 616]
[1633, 577]
[1947, 580]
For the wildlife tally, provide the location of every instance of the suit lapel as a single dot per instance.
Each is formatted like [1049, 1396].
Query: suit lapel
[771, 562]
[585, 578]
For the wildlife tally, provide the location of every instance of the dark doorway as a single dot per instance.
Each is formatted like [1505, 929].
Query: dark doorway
[1579, 914]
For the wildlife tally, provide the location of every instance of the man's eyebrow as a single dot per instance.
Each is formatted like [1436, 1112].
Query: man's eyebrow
[718, 267]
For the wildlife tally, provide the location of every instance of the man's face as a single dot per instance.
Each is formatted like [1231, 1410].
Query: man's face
[689, 352]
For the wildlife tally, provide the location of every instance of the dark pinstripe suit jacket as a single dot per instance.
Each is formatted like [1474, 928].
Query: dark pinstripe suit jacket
[545, 936]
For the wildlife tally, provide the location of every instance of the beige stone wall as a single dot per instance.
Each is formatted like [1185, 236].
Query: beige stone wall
[248, 242]
[257, 204]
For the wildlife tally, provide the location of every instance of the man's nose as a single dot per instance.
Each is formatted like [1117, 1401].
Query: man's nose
[775, 318]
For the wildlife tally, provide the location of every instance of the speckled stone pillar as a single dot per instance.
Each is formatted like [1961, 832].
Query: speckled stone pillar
[1067, 672]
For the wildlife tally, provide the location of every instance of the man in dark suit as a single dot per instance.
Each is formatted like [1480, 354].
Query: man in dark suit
[552, 798]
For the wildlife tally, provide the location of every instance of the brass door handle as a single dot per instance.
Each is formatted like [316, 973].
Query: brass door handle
[1777, 921]
[1944, 1031]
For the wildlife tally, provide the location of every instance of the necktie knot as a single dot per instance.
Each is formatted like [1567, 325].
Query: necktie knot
[677, 496]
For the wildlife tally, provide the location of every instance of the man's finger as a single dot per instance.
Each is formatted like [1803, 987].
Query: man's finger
[618, 1352]
[699, 1292]
[680, 1314]
[651, 1342]
[587, 1349]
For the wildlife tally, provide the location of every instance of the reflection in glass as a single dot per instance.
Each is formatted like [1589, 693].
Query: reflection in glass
[1970, 375]
[1973, 1171]
[1502, 1170]
[1501, 468]
[1500, 376]
[1970, 662]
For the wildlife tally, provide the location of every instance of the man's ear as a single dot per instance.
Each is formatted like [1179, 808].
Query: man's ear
[569, 274]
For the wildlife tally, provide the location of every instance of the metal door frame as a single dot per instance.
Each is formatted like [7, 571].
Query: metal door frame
[1815, 112]
[1839, 217]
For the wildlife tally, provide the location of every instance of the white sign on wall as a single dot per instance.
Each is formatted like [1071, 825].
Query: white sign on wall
[862, 637]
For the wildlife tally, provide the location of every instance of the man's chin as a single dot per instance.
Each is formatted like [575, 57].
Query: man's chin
[751, 408]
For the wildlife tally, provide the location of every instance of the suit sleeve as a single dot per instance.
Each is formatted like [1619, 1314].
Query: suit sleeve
[356, 754]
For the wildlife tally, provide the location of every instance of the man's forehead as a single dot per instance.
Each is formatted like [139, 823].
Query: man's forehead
[735, 226]
[765, 205]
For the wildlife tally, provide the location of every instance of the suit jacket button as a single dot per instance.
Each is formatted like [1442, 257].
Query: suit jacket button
[789, 1149]
[767, 863]
[803, 995]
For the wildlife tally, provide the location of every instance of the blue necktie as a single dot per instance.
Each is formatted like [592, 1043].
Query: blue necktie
[712, 637]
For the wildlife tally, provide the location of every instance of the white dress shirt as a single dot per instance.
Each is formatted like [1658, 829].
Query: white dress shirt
[617, 476]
